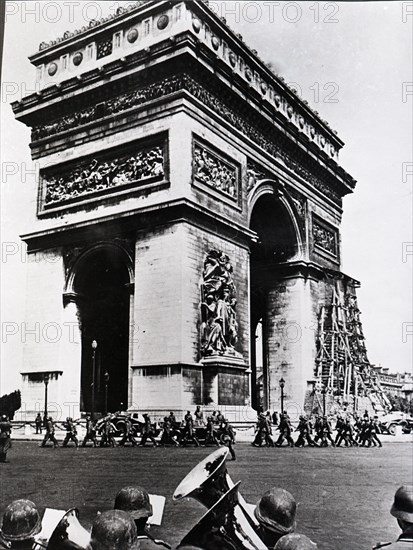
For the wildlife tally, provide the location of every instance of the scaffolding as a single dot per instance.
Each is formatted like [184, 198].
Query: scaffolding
[342, 366]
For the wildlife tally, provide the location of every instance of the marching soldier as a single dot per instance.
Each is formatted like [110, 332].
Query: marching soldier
[38, 423]
[5, 439]
[364, 432]
[275, 512]
[211, 435]
[128, 433]
[326, 433]
[219, 418]
[108, 433]
[90, 433]
[71, 433]
[20, 524]
[172, 419]
[318, 428]
[305, 433]
[168, 437]
[189, 432]
[135, 501]
[263, 432]
[147, 431]
[285, 430]
[340, 431]
[49, 435]
[402, 510]
[228, 437]
[275, 418]
[374, 429]
[199, 417]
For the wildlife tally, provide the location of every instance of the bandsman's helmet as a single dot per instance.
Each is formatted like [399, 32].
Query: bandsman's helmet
[114, 530]
[135, 501]
[275, 511]
[21, 521]
[403, 503]
[295, 542]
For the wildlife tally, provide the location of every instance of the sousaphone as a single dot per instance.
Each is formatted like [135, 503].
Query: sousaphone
[224, 527]
[69, 533]
[209, 481]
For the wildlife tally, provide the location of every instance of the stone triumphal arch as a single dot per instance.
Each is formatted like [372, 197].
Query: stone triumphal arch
[188, 197]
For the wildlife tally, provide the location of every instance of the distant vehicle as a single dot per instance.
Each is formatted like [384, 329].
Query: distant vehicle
[389, 422]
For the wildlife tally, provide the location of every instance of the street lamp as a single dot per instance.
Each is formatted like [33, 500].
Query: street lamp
[282, 384]
[106, 379]
[46, 383]
[94, 346]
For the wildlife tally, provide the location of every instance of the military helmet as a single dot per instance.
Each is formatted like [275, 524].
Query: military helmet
[275, 511]
[403, 503]
[21, 521]
[135, 501]
[114, 530]
[295, 542]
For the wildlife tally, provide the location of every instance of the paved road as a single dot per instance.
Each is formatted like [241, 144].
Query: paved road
[344, 495]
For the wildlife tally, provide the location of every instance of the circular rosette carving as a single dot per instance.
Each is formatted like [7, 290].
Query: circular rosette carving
[132, 35]
[277, 100]
[77, 59]
[264, 87]
[232, 59]
[196, 25]
[248, 74]
[52, 69]
[301, 122]
[163, 22]
[290, 111]
[215, 42]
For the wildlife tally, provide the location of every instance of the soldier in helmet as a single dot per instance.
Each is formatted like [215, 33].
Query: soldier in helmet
[21, 523]
[114, 529]
[49, 433]
[285, 430]
[90, 432]
[228, 437]
[402, 510]
[128, 434]
[147, 432]
[275, 512]
[5, 439]
[295, 542]
[189, 430]
[304, 428]
[71, 432]
[135, 501]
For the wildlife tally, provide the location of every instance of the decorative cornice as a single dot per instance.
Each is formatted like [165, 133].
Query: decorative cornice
[271, 140]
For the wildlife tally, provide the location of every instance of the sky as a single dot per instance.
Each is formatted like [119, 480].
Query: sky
[351, 61]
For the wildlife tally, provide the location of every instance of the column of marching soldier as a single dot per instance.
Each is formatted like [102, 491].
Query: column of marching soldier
[230, 523]
[315, 432]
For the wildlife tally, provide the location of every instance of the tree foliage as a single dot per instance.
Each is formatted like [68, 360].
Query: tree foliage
[399, 403]
[10, 403]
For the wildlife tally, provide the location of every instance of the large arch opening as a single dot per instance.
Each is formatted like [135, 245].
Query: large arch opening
[102, 285]
[277, 242]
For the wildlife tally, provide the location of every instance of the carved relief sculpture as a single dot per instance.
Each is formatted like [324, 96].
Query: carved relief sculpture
[173, 84]
[325, 238]
[95, 175]
[214, 172]
[219, 327]
[256, 173]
